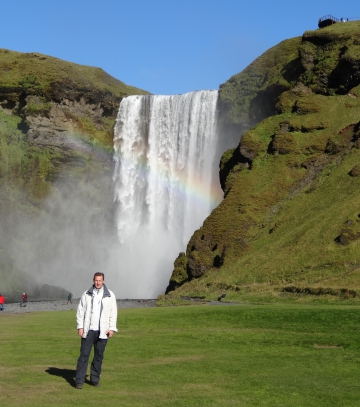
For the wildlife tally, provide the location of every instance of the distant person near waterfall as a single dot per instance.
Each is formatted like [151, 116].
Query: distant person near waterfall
[96, 322]
[2, 301]
[24, 300]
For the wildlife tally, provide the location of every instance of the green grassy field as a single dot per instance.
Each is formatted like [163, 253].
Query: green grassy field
[189, 356]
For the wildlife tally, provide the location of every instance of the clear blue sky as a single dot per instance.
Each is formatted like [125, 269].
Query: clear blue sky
[163, 46]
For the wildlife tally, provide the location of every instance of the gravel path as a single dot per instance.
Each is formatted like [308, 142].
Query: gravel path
[31, 306]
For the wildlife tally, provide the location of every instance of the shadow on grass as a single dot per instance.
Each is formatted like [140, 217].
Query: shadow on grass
[67, 374]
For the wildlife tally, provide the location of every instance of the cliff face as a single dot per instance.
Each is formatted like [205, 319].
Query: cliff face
[56, 137]
[289, 221]
[54, 98]
[248, 97]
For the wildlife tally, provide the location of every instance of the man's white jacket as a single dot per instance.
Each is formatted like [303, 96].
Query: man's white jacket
[108, 312]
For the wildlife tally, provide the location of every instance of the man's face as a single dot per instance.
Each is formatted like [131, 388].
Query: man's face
[98, 282]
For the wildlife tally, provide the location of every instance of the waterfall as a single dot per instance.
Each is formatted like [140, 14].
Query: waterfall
[166, 183]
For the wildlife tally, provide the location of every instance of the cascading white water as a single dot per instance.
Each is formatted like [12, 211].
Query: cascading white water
[166, 183]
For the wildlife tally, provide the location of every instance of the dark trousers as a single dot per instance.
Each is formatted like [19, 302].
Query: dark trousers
[92, 339]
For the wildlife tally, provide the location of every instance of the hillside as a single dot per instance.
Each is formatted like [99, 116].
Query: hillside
[56, 141]
[288, 228]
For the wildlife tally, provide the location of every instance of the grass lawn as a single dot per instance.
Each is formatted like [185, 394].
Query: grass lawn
[189, 356]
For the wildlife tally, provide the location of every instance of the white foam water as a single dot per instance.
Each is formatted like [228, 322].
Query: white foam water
[166, 183]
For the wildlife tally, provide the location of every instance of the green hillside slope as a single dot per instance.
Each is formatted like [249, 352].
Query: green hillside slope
[289, 226]
[41, 74]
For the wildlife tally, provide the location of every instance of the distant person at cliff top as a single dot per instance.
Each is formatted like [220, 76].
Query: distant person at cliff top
[2, 301]
[96, 322]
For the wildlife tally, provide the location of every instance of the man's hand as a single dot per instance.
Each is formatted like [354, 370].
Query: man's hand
[109, 333]
[80, 332]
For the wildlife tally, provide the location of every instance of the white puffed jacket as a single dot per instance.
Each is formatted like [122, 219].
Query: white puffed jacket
[108, 312]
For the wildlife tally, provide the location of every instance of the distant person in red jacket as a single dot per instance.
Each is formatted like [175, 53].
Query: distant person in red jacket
[24, 299]
[2, 300]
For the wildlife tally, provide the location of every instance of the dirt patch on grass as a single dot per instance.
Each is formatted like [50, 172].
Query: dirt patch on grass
[170, 360]
[327, 346]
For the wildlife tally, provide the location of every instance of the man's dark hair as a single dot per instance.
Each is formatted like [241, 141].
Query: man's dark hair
[99, 274]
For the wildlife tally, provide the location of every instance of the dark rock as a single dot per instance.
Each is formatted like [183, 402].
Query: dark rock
[347, 236]
[179, 275]
[272, 230]
[219, 259]
[248, 149]
[355, 171]
[195, 267]
[285, 126]
[317, 291]
[237, 159]
[332, 148]
[283, 143]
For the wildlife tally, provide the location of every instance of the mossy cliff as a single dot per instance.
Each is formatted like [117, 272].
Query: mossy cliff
[289, 224]
[56, 130]
[248, 97]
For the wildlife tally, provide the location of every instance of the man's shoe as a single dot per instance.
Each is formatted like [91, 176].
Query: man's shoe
[96, 384]
[78, 386]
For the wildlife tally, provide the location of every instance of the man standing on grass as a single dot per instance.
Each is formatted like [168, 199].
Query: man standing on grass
[96, 322]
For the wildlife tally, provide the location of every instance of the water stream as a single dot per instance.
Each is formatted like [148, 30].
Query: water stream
[166, 183]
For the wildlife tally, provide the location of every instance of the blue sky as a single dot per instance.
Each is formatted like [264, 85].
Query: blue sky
[163, 46]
